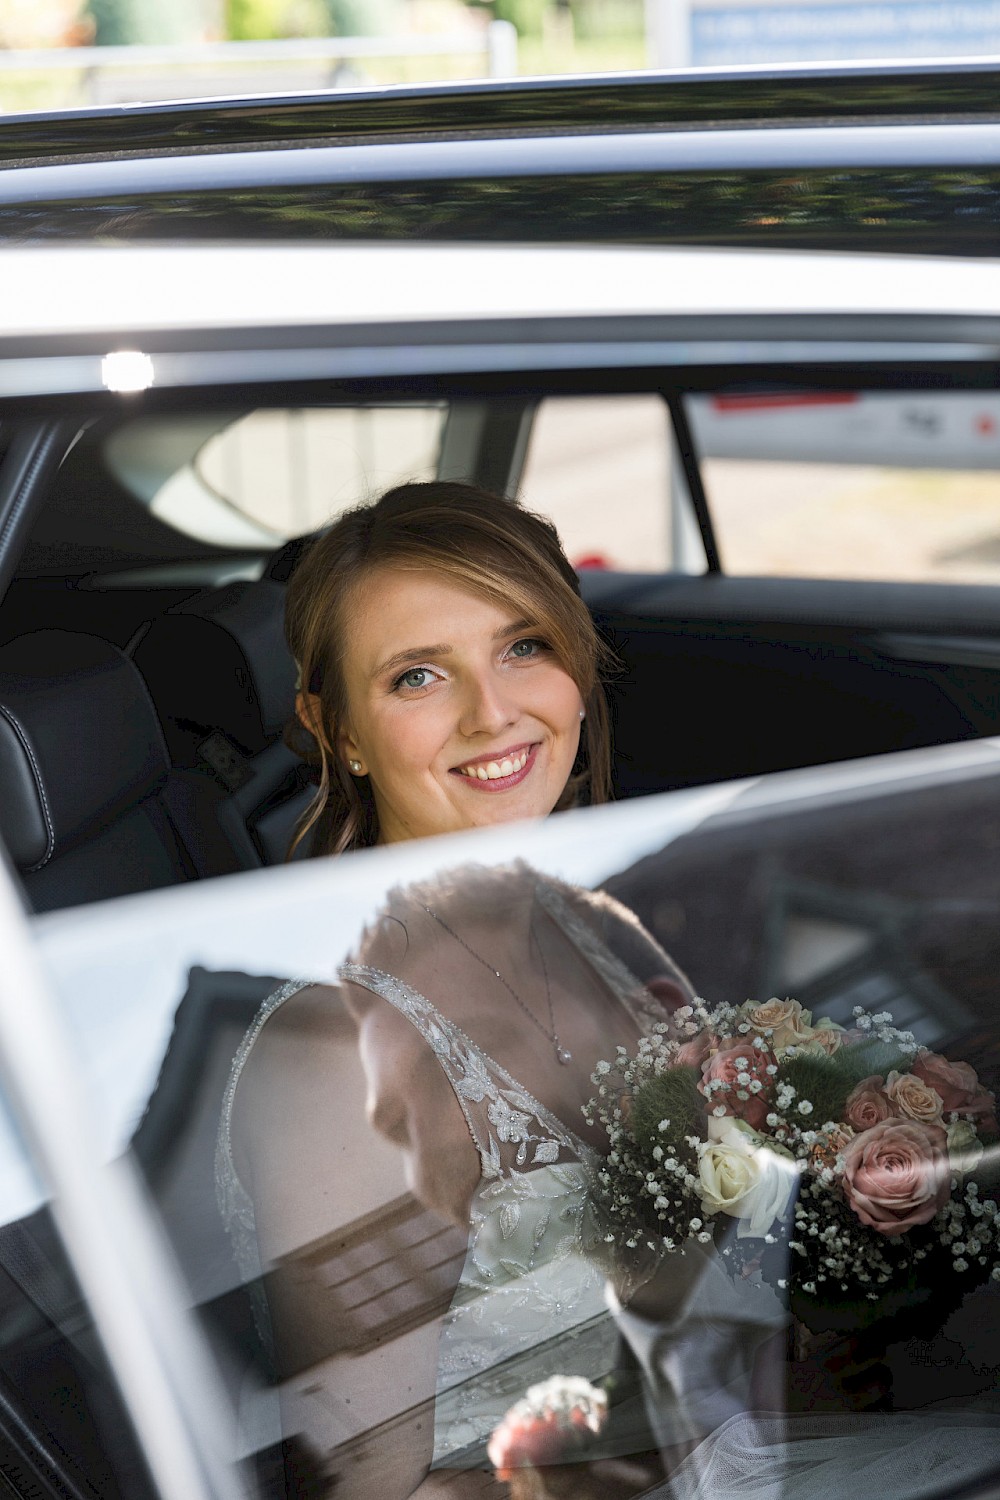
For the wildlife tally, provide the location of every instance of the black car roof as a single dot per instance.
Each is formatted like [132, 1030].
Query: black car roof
[884, 93]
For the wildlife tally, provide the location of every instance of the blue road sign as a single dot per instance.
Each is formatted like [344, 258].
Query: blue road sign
[721, 34]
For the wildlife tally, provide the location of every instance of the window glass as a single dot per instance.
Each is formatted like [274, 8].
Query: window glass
[292, 470]
[423, 1225]
[849, 484]
[258, 478]
[600, 468]
[62, 1427]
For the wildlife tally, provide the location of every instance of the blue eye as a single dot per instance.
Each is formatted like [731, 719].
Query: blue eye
[525, 649]
[416, 677]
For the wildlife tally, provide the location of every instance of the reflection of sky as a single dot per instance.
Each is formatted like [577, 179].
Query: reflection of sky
[21, 1188]
[119, 968]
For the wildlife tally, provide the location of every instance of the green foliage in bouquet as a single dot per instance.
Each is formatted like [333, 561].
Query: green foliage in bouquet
[672, 1095]
[827, 1081]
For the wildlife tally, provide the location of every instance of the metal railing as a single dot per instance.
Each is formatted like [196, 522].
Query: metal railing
[110, 74]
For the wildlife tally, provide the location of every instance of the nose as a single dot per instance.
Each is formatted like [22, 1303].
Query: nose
[385, 1106]
[488, 706]
[387, 1115]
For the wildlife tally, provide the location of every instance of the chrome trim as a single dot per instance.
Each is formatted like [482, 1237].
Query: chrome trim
[777, 148]
[65, 375]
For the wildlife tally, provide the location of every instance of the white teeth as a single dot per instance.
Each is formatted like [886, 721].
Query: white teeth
[494, 769]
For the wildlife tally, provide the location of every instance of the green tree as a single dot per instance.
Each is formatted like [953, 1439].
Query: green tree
[119, 23]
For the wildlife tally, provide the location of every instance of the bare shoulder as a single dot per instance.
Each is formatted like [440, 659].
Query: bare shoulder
[297, 1042]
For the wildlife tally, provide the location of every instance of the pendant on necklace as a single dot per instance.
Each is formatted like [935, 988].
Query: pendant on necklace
[564, 1056]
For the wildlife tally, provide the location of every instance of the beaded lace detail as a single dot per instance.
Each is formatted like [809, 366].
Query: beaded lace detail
[235, 1203]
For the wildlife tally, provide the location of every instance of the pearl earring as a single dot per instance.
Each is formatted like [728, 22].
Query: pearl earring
[583, 715]
[355, 766]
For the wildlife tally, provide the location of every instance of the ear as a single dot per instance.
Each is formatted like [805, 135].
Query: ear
[309, 713]
[349, 753]
[670, 992]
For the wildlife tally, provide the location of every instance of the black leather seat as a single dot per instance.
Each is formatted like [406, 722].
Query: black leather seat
[90, 807]
[223, 682]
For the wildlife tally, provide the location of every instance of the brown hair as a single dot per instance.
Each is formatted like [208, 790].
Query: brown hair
[487, 544]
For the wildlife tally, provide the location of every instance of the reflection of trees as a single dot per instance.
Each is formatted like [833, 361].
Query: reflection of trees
[870, 209]
[918, 96]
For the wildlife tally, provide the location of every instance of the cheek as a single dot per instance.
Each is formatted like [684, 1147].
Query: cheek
[405, 738]
[559, 701]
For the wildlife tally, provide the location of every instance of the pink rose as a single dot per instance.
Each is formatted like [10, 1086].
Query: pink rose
[693, 1053]
[981, 1109]
[824, 1042]
[867, 1104]
[897, 1175]
[735, 1076]
[913, 1097]
[958, 1085]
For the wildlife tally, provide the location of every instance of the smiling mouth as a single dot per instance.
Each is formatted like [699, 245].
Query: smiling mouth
[503, 771]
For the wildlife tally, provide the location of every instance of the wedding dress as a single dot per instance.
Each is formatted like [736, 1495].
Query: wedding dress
[906, 1456]
[532, 1299]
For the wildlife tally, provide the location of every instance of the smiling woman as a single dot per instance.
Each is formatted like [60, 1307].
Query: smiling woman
[448, 664]
[449, 679]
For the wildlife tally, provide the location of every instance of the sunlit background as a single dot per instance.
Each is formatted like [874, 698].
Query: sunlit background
[64, 53]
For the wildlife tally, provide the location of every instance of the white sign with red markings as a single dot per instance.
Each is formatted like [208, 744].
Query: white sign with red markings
[923, 430]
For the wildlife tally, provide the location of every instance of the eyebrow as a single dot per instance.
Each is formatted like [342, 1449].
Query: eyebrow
[421, 653]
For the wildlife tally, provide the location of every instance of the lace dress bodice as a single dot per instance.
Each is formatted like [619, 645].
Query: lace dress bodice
[531, 1274]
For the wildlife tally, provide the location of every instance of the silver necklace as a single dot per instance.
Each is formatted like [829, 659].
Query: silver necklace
[563, 1054]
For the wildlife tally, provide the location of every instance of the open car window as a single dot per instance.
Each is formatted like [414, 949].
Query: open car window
[900, 485]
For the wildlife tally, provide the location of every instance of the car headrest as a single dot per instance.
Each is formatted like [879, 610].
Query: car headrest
[79, 742]
[219, 661]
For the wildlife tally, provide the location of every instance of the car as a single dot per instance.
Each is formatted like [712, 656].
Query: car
[750, 370]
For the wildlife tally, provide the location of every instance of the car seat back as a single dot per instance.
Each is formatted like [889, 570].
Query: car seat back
[223, 681]
[90, 807]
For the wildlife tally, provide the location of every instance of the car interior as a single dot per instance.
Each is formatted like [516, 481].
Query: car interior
[145, 685]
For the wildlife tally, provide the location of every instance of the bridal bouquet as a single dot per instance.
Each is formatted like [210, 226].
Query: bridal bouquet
[536, 1447]
[846, 1158]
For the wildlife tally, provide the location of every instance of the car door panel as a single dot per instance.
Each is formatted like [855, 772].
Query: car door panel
[727, 677]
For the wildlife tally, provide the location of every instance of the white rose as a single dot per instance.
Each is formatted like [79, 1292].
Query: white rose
[965, 1149]
[744, 1176]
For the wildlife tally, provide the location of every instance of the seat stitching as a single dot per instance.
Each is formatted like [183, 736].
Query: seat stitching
[41, 789]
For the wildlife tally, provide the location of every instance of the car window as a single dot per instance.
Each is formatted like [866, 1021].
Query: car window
[63, 1430]
[896, 485]
[375, 1309]
[604, 469]
[263, 477]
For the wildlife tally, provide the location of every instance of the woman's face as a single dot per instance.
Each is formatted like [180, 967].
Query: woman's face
[457, 709]
[410, 1102]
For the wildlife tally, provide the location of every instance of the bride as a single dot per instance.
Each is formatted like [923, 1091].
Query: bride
[450, 679]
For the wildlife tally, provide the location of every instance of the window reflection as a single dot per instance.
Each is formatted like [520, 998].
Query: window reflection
[419, 1175]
